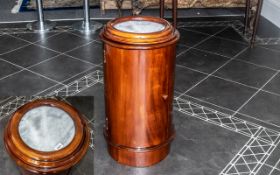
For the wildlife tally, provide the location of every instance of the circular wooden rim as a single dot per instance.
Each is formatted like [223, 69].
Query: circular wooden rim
[39, 161]
[111, 33]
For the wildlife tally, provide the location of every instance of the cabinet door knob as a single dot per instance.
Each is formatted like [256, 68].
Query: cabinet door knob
[164, 96]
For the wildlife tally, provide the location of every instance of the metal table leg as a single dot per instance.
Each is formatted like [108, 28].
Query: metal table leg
[256, 23]
[86, 26]
[247, 16]
[174, 13]
[41, 25]
[161, 9]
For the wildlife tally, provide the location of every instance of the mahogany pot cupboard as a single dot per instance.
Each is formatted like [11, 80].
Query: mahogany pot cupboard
[46, 136]
[139, 63]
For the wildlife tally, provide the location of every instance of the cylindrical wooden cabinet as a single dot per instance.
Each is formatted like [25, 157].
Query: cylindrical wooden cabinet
[139, 63]
[47, 137]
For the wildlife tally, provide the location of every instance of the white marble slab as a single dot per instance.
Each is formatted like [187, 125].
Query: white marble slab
[46, 128]
[139, 26]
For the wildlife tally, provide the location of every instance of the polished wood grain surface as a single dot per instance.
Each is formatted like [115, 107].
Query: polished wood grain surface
[33, 162]
[139, 83]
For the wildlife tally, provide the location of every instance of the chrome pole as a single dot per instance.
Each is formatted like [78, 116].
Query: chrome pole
[39, 5]
[86, 25]
[40, 25]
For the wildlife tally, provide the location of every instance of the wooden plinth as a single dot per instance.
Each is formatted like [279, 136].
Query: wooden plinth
[139, 83]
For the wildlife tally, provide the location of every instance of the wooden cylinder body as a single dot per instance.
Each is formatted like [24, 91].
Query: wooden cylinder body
[139, 81]
[34, 162]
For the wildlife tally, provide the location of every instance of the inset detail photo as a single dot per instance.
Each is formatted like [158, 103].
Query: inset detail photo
[47, 135]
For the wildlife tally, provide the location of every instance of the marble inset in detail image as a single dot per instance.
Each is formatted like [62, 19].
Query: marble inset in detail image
[46, 128]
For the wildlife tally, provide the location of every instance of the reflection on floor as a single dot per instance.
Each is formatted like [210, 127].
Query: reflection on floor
[226, 94]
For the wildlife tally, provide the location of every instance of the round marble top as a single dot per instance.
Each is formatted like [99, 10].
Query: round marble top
[46, 129]
[139, 26]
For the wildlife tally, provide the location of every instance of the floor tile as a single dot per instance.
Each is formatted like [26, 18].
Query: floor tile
[221, 46]
[84, 104]
[7, 69]
[185, 78]
[261, 56]
[89, 36]
[92, 52]
[222, 93]
[63, 42]
[29, 55]
[202, 61]
[61, 68]
[190, 38]
[24, 83]
[9, 43]
[245, 73]
[34, 37]
[274, 85]
[273, 47]
[180, 49]
[231, 34]
[264, 106]
[206, 30]
[99, 105]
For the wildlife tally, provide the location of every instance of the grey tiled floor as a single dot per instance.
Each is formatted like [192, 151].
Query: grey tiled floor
[226, 106]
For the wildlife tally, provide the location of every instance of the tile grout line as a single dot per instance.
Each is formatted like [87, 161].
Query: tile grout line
[258, 65]
[59, 54]
[227, 57]
[190, 47]
[11, 105]
[18, 48]
[219, 37]
[23, 68]
[48, 59]
[26, 45]
[274, 50]
[11, 73]
[64, 81]
[204, 73]
[226, 79]
[246, 102]
[213, 72]
[65, 52]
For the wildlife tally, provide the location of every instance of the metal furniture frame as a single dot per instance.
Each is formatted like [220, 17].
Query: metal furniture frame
[41, 24]
[86, 26]
[246, 19]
